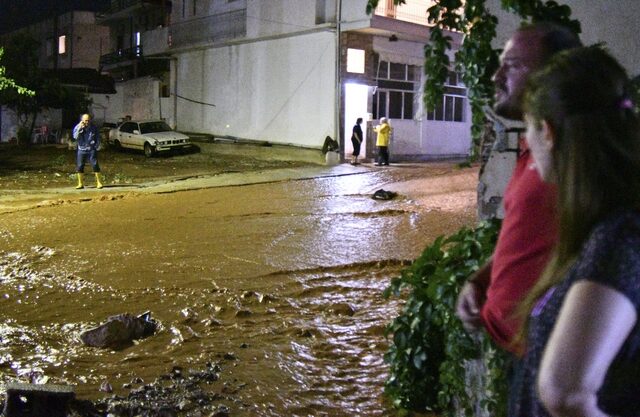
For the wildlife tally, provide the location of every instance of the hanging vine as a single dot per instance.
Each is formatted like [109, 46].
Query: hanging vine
[476, 60]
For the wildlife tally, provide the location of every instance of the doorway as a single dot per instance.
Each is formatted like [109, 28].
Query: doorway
[355, 105]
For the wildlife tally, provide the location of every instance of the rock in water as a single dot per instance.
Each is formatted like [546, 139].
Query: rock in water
[120, 331]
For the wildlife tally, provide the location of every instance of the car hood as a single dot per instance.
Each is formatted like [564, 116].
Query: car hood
[165, 135]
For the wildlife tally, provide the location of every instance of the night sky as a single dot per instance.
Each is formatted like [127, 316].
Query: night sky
[17, 13]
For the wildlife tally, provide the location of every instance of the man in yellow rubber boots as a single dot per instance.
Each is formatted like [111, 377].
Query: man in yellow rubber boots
[88, 138]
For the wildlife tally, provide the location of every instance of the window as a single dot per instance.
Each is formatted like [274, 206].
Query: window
[128, 127]
[355, 60]
[395, 91]
[62, 44]
[452, 107]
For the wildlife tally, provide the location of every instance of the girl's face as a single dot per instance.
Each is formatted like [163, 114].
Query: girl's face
[540, 141]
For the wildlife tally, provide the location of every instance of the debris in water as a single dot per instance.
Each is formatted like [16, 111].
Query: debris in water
[383, 194]
[120, 331]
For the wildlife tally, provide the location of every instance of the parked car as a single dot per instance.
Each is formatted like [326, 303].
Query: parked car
[150, 136]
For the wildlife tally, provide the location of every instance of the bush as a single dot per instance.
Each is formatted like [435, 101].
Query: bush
[431, 353]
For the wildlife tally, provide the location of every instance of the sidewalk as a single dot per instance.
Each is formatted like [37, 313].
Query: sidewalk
[18, 200]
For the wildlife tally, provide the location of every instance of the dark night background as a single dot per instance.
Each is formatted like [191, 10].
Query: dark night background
[18, 13]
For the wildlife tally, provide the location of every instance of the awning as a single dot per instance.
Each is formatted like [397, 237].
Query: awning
[399, 52]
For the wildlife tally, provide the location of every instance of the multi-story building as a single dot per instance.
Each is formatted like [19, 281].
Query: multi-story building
[70, 47]
[282, 71]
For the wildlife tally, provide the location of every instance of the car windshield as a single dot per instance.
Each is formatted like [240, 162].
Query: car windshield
[153, 127]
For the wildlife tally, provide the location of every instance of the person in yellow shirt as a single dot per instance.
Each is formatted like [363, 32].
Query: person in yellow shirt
[384, 132]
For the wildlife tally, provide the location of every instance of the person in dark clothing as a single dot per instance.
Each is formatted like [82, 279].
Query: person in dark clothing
[356, 139]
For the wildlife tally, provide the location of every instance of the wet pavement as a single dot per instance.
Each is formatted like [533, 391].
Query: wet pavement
[274, 278]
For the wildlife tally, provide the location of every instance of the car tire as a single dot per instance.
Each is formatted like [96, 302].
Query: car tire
[149, 150]
[117, 145]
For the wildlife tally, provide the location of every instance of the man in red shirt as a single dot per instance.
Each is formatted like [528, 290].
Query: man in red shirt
[529, 230]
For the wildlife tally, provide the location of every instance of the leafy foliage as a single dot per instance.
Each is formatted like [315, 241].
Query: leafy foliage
[476, 60]
[430, 346]
[21, 66]
[9, 83]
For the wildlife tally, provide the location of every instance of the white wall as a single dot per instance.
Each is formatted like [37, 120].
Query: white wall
[279, 16]
[9, 122]
[428, 139]
[279, 90]
[354, 14]
[138, 98]
[613, 22]
[446, 138]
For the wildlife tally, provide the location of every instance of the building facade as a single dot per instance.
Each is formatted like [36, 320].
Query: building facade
[71, 44]
[281, 71]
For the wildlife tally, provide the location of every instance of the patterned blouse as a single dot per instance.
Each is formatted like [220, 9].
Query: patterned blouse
[611, 257]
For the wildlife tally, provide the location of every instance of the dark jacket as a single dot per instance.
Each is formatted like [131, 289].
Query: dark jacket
[88, 138]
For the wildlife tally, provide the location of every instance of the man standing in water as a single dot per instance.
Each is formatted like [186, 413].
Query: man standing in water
[529, 230]
[88, 139]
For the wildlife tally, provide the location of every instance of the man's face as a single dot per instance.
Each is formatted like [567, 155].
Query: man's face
[522, 56]
[85, 120]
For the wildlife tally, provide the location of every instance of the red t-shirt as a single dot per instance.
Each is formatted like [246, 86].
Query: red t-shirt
[528, 233]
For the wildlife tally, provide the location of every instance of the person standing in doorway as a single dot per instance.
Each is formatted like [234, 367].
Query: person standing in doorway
[356, 140]
[382, 142]
[87, 136]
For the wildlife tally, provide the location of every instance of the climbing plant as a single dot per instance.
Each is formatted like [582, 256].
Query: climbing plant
[476, 60]
[430, 349]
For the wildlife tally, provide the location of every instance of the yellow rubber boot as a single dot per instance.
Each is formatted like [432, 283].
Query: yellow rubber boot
[80, 181]
[98, 182]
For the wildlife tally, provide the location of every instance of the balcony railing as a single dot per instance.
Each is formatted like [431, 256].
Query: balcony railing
[414, 11]
[209, 29]
[118, 5]
[121, 9]
[121, 55]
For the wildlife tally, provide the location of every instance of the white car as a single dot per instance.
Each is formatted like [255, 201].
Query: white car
[150, 136]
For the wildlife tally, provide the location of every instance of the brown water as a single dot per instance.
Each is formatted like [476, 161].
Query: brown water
[284, 278]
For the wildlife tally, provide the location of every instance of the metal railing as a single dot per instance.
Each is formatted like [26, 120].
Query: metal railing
[121, 55]
[414, 11]
[119, 5]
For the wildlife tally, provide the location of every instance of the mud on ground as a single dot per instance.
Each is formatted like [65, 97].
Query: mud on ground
[270, 304]
[53, 166]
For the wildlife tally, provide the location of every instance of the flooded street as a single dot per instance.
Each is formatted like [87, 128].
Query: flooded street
[277, 284]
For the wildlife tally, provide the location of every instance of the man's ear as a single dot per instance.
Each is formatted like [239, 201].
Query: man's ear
[548, 134]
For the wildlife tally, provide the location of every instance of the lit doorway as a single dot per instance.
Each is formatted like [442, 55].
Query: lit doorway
[355, 105]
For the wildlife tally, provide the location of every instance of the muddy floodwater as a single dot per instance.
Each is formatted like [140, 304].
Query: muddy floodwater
[278, 284]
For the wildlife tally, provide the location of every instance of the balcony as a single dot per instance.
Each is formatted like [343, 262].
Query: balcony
[413, 11]
[124, 9]
[120, 56]
[209, 29]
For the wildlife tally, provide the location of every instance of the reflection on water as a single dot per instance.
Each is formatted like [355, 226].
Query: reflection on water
[280, 284]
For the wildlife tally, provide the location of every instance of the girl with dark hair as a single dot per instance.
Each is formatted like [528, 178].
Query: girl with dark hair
[582, 335]
[356, 140]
